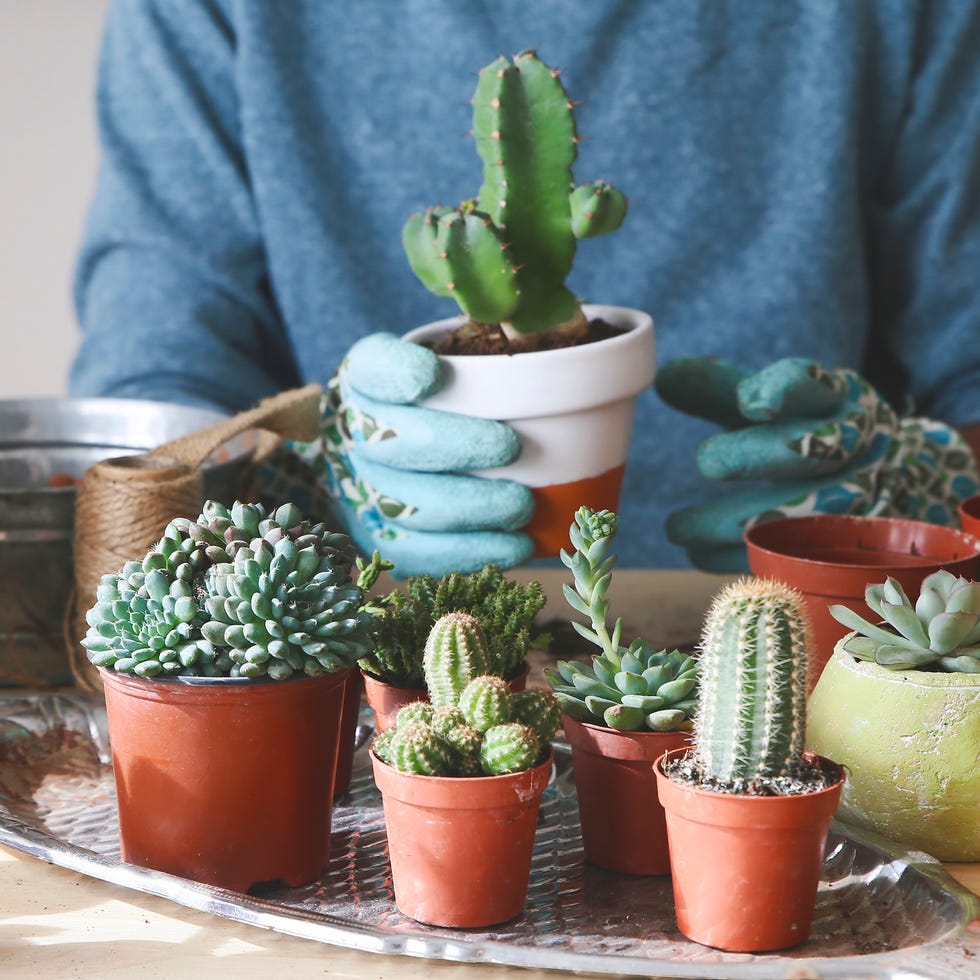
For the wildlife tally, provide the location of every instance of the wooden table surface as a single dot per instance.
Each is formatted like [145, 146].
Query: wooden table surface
[56, 924]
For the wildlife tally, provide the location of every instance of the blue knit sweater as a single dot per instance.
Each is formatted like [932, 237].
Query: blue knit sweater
[804, 179]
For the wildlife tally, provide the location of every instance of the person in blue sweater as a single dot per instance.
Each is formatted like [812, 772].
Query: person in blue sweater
[804, 184]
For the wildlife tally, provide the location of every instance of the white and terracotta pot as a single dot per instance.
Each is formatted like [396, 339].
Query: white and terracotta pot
[572, 408]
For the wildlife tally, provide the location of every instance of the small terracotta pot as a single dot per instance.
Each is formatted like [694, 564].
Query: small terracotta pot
[745, 869]
[969, 512]
[832, 558]
[572, 408]
[349, 713]
[386, 700]
[460, 848]
[225, 782]
[623, 823]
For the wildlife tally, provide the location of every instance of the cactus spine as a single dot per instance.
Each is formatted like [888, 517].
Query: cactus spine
[752, 715]
[505, 257]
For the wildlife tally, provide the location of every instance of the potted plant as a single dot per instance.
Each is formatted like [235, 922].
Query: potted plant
[461, 779]
[899, 706]
[747, 810]
[393, 670]
[621, 712]
[516, 353]
[223, 653]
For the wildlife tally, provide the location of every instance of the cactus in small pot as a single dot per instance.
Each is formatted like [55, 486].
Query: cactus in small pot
[238, 592]
[475, 724]
[504, 257]
[628, 689]
[940, 632]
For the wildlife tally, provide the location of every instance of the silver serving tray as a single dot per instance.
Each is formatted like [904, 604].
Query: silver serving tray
[881, 911]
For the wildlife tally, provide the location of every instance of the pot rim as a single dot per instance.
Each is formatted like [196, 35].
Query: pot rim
[468, 780]
[221, 681]
[591, 736]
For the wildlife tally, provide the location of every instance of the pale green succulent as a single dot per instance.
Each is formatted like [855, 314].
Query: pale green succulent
[628, 689]
[940, 632]
[238, 592]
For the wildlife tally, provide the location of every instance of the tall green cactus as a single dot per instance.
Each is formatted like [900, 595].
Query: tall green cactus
[455, 653]
[504, 258]
[752, 716]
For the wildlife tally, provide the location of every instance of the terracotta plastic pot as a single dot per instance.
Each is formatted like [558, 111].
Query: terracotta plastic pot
[910, 740]
[460, 848]
[832, 558]
[745, 869]
[386, 700]
[225, 782]
[969, 512]
[623, 824]
[349, 713]
[572, 408]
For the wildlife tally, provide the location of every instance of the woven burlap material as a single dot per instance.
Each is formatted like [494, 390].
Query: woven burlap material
[123, 505]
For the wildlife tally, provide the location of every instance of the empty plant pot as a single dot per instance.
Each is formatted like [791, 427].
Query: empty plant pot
[969, 512]
[572, 408]
[832, 558]
[745, 869]
[460, 848]
[623, 824]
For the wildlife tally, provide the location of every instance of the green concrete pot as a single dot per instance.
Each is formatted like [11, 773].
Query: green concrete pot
[910, 741]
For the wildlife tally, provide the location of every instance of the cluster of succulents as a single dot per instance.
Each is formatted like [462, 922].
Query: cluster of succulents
[237, 592]
[629, 689]
[504, 256]
[751, 721]
[506, 610]
[474, 724]
[940, 632]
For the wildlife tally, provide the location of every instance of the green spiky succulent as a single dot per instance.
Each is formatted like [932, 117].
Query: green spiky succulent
[237, 592]
[940, 632]
[505, 257]
[454, 737]
[505, 609]
[629, 689]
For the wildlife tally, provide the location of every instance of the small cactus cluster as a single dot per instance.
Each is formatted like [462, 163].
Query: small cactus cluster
[474, 725]
[751, 721]
[505, 256]
[940, 632]
[237, 592]
[404, 619]
[628, 689]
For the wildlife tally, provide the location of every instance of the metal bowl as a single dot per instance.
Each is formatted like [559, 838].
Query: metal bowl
[46, 444]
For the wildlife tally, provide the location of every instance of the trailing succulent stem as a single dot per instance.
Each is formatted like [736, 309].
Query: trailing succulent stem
[506, 610]
[237, 592]
[940, 632]
[752, 716]
[505, 256]
[628, 689]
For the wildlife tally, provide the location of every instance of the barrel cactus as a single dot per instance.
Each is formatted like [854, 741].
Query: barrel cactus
[940, 632]
[238, 592]
[455, 653]
[505, 256]
[628, 689]
[751, 720]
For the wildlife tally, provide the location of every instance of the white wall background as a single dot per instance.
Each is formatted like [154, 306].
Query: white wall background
[48, 50]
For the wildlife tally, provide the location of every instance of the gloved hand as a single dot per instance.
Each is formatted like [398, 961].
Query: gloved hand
[394, 471]
[825, 441]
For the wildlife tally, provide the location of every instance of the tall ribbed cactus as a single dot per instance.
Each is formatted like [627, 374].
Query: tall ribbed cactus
[752, 715]
[504, 258]
[455, 653]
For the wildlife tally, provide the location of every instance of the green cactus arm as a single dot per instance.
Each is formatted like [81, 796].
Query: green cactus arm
[597, 209]
[525, 135]
[420, 239]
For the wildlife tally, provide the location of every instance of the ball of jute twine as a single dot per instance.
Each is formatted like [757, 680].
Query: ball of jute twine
[123, 505]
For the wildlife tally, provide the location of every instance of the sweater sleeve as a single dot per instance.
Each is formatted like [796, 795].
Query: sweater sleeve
[171, 289]
[925, 222]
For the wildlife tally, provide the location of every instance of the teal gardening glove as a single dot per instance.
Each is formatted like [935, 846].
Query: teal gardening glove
[394, 473]
[824, 441]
